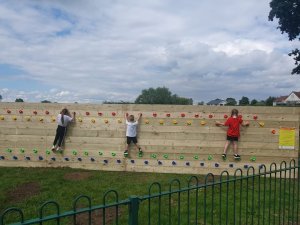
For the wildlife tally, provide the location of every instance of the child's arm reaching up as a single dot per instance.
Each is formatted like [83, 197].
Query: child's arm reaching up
[245, 123]
[139, 116]
[218, 123]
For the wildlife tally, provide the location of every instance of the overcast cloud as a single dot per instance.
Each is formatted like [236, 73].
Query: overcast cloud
[96, 50]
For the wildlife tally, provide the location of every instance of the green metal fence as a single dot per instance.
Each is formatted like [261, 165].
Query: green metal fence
[261, 196]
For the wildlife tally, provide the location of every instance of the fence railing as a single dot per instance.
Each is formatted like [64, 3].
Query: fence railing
[252, 196]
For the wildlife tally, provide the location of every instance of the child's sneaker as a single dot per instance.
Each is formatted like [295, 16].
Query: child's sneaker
[126, 153]
[59, 149]
[237, 157]
[53, 148]
[224, 157]
[140, 152]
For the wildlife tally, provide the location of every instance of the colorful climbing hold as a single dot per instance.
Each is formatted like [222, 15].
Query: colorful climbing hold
[225, 116]
[27, 158]
[100, 153]
[159, 163]
[146, 121]
[173, 163]
[161, 122]
[202, 122]
[41, 158]
[188, 122]
[14, 118]
[165, 156]
[210, 116]
[87, 113]
[66, 158]
[100, 113]
[202, 164]
[48, 152]
[92, 160]
[113, 114]
[105, 161]
[196, 157]
[118, 161]
[8, 111]
[79, 119]
[1, 117]
[273, 131]
[86, 153]
[74, 152]
[132, 161]
[146, 162]
[35, 112]
[35, 151]
[209, 157]
[79, 159]
[181, 157]
[153, 156]
[255, 117]
[21, 111]
[41, 120]
[22, 150]
[27, 118]
[119, 121]
[196, 115]
[253, 158]
[15, 157]
[47, 112]
[261, 124]
[154, 114]
[113, 154]
[168, 115]
[93, 120]
[187, 163]
[175, 122]
[106, 121]
[9, 150]
[182, 115]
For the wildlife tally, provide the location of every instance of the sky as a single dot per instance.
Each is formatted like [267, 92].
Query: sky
[90, 51]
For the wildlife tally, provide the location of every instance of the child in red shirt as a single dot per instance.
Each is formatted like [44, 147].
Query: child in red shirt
[233, 133]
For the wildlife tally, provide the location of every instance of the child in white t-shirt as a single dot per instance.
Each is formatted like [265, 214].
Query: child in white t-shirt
[63, 119]
[131, 132]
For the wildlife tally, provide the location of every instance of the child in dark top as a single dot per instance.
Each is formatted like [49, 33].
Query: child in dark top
[63, 119]
[131, 132]
[233, 132]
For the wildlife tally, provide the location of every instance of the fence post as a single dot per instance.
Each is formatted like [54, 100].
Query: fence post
[133, 210]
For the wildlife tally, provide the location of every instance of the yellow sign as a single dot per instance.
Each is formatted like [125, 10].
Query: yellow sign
[287, 138]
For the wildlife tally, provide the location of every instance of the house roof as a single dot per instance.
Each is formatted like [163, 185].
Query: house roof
[297, 93]
[215, 102]
[281, 99]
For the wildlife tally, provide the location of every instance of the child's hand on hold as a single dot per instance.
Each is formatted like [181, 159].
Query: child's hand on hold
[140, 114]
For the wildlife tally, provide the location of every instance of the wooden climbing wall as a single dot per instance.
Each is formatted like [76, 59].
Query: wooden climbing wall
[175, 139]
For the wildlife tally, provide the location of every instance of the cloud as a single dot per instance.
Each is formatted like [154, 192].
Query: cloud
[94, 51]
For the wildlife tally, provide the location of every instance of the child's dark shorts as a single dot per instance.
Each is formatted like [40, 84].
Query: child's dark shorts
[131, 139]
[232, 138]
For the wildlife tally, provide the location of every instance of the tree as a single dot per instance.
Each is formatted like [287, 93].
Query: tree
[230, 101]
[0, 98]
[244, 101]
[19, 100]
[269, 101]
[45, 101]
[201, 103]
[254, 102]
[288, 14]
[161, 95]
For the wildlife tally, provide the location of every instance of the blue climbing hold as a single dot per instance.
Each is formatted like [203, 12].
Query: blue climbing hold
[246, 166]
[118, 161]
[79, 159]
[216, 164]
[159, 163]
[27, 158]
[105, 161]
[15, 157]
[231, 165]
[173, 163]
[202, 164]
[92, 159]
[187, 164]
[41, 158]
[132, 161]
[66, 158]
[53, 159]
[146, 162]
[2, 157]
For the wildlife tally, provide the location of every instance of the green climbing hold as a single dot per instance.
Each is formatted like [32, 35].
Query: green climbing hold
[86, 153]
[113, 154]
[210, 157]
[9, 150]
[35, 151]
[166, 156]
[22, 150]
[253, 158]
[181, 157]
[196, 157]
[100, 153]
[153, 156]
[74, 152]
[48, 152]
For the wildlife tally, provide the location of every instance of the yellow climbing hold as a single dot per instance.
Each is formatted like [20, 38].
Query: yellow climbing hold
[203, 122]
[261, 124]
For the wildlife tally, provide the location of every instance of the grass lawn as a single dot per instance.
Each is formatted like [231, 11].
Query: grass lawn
[256, 199]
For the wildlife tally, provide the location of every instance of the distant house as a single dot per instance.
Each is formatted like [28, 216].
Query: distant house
[291, 99]
[217, 102]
